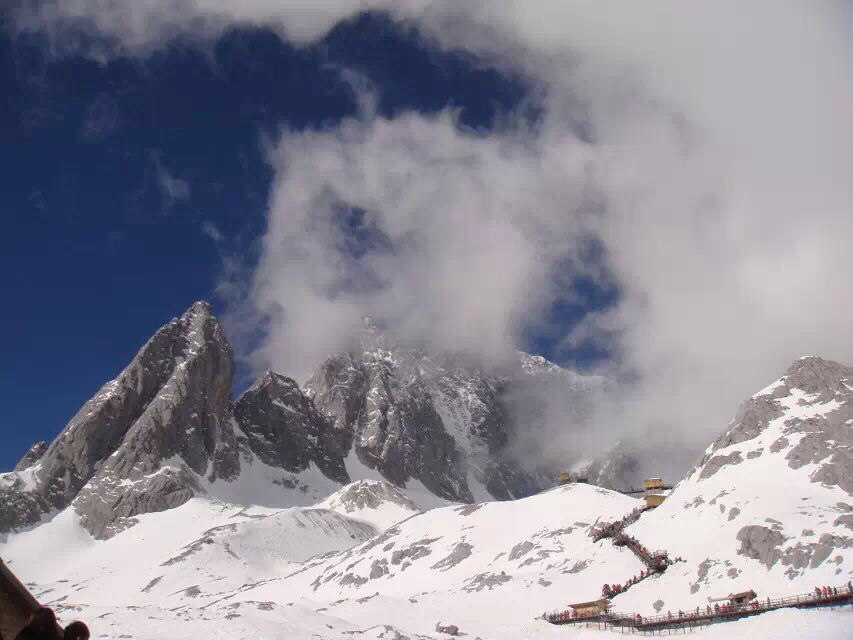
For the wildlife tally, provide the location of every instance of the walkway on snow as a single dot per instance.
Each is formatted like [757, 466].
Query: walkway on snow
[635, 623]
[656, 561]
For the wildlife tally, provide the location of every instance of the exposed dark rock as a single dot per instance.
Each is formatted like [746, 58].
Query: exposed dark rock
[468, 509]
[33, 455]
[449, 629]
[779, 444]
[702, 575]
[760, 543]
[164, 429]
[825, 438]
[614, 470]
[151, 584]
[392, 422]
[371, 494]
[284, 429]
[577, 567]
[413, 551]
[718, 462]
[170, 402]
[541, 554]
[406, 411]
[521, 549]
[486, 581]
[461, 551]
[378, 569]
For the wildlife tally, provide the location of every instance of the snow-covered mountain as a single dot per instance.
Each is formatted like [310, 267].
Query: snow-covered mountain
[341, 569]
[165, 430]
[171, 402]
[770, 504]
[440, 420]
[345, 510]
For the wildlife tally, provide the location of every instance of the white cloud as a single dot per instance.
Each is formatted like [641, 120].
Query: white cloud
[720, 150]
[172, 188]
[454, 246]
[210, 229]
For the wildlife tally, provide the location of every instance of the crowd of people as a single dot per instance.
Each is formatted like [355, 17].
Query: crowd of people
[613, 528]
[610, 590]
[709, 611]
[42, 625]
[828, 592]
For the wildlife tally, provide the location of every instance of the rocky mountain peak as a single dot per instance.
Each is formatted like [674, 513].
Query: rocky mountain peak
[814, 375]
[804, 416]
[775, 488]
[168, 403]
[165, 428]
[284, 429]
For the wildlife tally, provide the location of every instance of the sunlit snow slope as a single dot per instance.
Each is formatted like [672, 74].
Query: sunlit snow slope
[768, 507]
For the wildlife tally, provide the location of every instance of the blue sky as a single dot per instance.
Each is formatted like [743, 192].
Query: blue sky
[659, 194]
[111, 172]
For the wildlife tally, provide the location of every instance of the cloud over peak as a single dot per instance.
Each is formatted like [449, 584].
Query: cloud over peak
[706, 149]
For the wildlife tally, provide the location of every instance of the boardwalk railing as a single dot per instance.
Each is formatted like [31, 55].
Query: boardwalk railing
[656, 561]
[708, 615]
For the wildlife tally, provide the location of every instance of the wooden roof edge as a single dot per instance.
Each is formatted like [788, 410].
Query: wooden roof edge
[600, 601]
[10, 579]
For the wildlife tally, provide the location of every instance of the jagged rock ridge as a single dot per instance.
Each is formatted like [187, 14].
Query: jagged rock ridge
[170, 401]
[437, 419]
[165, 428]
[284, 429]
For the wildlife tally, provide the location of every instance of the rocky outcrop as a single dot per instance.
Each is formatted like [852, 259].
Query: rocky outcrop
[169, 404]
[185, 418]
[770, 495]
[386, 409]
[165, 430]
[760, 543]
[718, 462]
[436, 418]
[449, 629]
[616, 469]
[33, 455]
[285, 430]
[811, 411]
[370, 494]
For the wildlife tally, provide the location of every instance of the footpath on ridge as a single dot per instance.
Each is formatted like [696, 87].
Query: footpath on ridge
[655, 561]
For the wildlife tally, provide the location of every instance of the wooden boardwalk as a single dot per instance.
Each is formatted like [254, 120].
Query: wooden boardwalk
[656, 561]
[684, 620]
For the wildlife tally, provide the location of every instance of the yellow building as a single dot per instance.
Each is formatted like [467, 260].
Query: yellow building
[653, 484]
[654, 499]
[593, 608]
[567, 477]
[740, 599]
